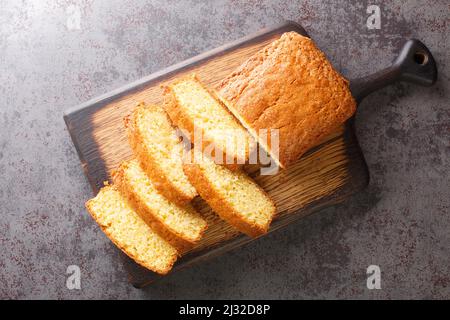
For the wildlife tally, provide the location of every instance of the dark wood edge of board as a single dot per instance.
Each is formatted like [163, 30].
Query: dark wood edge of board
[140, 277]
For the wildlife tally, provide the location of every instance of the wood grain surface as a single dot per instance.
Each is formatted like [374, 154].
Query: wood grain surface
[327, 174]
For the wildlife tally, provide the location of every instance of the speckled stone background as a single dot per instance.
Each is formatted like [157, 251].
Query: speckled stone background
[401, 222]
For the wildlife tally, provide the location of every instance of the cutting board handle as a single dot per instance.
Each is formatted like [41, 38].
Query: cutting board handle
[414, 64]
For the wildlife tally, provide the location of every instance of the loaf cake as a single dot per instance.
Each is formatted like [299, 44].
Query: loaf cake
[155, 143]
[208, 123]
[289, 86]
[234, 196]
[182, 226]
[129, 232]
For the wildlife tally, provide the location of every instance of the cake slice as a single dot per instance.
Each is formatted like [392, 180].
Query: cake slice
[182, 226]
[159, 150]
[129, 232]
[233, 195]
[208, 123]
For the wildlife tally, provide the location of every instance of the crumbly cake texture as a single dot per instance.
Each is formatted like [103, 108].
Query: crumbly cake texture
[125, 228]
[182, 226]
[191, 106]
[234, 196]
[291, 86]
[155, 143]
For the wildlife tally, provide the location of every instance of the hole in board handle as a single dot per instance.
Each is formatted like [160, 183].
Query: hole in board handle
[420, 58]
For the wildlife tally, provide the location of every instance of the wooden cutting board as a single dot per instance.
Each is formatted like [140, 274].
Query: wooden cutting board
[326, 175]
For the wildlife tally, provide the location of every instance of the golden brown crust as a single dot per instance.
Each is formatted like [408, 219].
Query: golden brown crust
[185, 123]
[176, 115]
[291, 86]
[219, 204]
[150, 164]
[176, 240]
[136, 258]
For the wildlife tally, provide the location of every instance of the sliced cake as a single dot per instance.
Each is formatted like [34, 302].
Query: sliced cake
[208, 123]
[155, 143]
[290, 88]
[129, 232]
[233, 195]
[182, 226]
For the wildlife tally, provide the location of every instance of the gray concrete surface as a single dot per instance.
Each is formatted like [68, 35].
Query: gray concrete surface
[48, 64]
